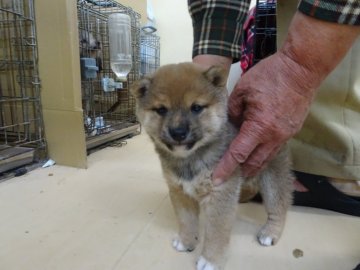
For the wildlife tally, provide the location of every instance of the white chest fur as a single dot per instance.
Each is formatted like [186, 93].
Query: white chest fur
[189, 188]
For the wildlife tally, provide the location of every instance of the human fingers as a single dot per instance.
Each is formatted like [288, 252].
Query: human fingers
[260, 158]
[238, 152]
[224, 168]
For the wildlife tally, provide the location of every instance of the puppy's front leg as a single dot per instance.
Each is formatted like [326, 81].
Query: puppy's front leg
[187, 212]
[218, 211]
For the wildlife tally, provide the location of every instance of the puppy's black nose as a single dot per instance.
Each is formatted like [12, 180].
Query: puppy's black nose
[179, 133]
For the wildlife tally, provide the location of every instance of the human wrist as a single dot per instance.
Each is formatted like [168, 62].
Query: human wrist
[302, 78]
[208, 60]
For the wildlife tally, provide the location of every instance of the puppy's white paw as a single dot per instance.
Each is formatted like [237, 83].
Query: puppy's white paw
[265, 240]
[203, 264]
[178, 245]
[269, 234]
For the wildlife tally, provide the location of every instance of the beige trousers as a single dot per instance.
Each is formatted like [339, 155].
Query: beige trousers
[329, 142]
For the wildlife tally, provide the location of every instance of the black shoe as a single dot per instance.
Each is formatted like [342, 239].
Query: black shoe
[321, 194]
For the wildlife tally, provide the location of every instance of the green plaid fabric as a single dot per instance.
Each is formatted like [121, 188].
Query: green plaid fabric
[217, 26]
[338, 11]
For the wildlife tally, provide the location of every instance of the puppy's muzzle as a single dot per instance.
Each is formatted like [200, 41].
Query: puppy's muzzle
[179, 133]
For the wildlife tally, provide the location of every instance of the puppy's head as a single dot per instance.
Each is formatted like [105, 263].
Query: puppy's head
[182, 106]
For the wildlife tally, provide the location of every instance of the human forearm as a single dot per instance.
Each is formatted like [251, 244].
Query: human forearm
[317, 46]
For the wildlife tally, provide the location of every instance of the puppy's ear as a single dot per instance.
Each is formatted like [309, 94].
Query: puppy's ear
[141, 87]
[216, 75]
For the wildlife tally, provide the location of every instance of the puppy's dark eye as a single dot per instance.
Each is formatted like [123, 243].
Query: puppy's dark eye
[161, 110]
[196, 108]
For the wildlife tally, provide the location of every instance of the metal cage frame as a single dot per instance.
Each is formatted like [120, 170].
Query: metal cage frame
[265, 29]
[21, 120]
[113, 111]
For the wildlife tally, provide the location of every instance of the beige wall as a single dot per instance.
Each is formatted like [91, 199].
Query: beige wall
[138, 6]
[175, 30]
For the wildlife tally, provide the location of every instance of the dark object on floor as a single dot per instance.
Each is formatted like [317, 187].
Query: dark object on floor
[357, 267]
[297, 253]
[323, 195]
[20, 172]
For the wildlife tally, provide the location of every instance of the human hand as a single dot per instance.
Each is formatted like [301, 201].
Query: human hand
[269, 104]
[271, 101]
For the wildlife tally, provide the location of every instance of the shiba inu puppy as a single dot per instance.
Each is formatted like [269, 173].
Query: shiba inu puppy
[183, 108]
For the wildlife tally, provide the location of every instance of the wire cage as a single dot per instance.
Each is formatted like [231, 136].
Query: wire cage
[21, 122]
[265, 29]
[149, 53]
[106, 110]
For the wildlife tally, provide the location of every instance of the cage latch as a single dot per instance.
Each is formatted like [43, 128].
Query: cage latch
[88, 68]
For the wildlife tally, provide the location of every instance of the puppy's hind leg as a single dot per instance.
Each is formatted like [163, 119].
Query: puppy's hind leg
[276, 184]
[187, 212]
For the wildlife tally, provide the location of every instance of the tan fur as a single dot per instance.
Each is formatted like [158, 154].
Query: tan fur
[189, 156]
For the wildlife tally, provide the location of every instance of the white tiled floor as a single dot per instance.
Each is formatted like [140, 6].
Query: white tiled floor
[116, 215]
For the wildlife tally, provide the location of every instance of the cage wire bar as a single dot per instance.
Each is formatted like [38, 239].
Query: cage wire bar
[21, 122]
[265, 29]
[150, 53]
[106, 112]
